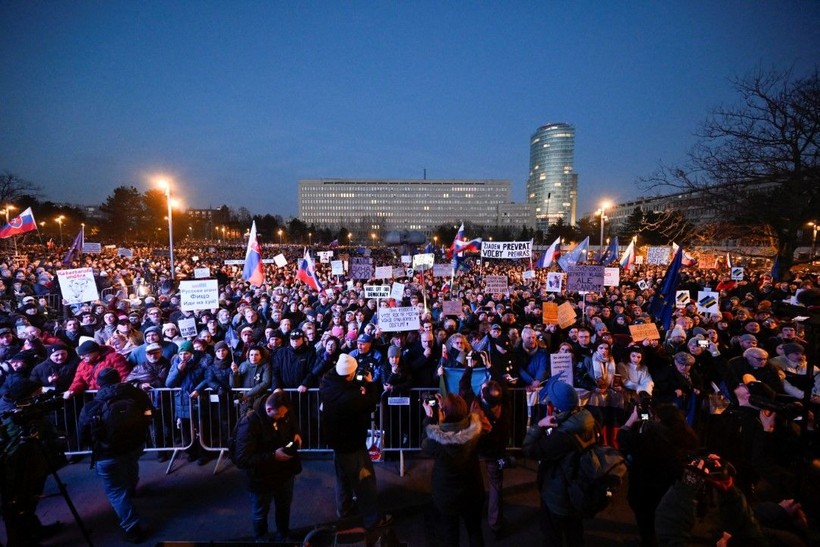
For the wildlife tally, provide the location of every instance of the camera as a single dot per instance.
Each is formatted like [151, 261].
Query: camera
[361, 374]
[290, 449]
[429, 398]
[34, 408]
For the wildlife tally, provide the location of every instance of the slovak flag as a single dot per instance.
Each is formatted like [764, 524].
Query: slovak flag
[461, 245]
[307, 273]
[550, 255]
[687, 259]
[628, 258]
[22, 223]
[254, 270]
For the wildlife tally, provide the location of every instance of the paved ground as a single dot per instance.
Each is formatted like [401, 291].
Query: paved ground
[191, 504]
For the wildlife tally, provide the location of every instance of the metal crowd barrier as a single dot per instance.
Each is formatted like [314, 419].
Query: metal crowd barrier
[399, 420]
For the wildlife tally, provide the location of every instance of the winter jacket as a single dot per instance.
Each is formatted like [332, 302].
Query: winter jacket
[346, 411]
[292, 367]
[191, 378]
[86, 375]
[136, 438]
[576, 425]
[257, 438]
[457, 482]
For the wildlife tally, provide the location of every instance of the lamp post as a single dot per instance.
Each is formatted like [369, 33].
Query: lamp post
[373, 237]
[602, 212]
[59, 220]
[280, 236]
[167, 187]
[310, 239]
[813, 239]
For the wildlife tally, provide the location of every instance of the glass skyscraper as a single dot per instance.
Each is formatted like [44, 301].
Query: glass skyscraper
[552, 185]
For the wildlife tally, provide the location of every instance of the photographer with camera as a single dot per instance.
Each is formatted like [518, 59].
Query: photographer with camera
[348, 397]
[267, 445]
[655, 441]
[27, 442]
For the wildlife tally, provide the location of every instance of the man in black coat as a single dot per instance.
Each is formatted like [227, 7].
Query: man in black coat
[347, 404]
[266, 445]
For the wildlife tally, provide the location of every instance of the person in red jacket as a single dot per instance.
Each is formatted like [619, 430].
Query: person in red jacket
[95, 359]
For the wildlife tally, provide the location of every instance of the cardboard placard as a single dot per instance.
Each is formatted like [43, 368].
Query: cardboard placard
[187, 327]
[612, 277]
[566, 315]
[399, 272]
[681, 299]
[397, 291]
[442, 270]
[423, 261]
[383, 272]
[336, 267]
[451, 307]
[279, 260]
[561, 367]
[361, 268]
[708, 301]
[646, 331]
[202, 273]
[737, 274]
[528, 274]
[549, 313]
[125, 252]
[657, 255]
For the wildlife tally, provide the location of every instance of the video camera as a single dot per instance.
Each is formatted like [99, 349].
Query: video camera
[644, 405]
[34, 408]
[789, 411]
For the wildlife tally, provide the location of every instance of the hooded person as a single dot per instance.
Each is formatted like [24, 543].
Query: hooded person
[572, 428]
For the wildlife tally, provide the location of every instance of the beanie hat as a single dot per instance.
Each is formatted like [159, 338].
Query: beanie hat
[562, 395]
[55, 348]
[793, 348]
[683, 358]
[221, 345]
[20, 389]
[338, 331]
[346, 365]
[393, 351]
[678, 331]
[186, 345]
[108, 377]
[89, 346]
[167, 326]
[152, 329]
[747, 337]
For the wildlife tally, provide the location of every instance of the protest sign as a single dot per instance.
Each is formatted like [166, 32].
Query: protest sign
[187, 327]
[708, 301]
[423, 261]
[398, 319]
[377, 291]
[639, 260]
[336, 267]
[280, 260]
[495, 284]
[681, 299]
[582, 278]
[324, 256]
[78, 285]
[529, 274]
[409, 272]
[451, 307]
[643, 284]
[555, 281]
[612, 277]
[657, 255]
[125, 252]
[198, 295]
[397, 291]
[737, 274]
[361, 267]
[383, 272]
[549, 313]
[561, 367]
[645, 331]
[506, 249]
[202, 273]
[442, 270]
[399, 272]
[92, 248]
[566, 315]
[406, 260]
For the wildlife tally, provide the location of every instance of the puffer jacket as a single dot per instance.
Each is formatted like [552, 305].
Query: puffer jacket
[550, 449]
[87, 374]
[457, 482]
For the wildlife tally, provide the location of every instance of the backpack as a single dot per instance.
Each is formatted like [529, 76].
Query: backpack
[593, 473]
[120, 425]
[232, 455]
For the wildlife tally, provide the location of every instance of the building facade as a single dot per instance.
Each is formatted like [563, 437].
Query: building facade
[552, 184]
[406, 204]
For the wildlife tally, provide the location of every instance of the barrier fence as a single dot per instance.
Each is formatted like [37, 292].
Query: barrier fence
[398, 421]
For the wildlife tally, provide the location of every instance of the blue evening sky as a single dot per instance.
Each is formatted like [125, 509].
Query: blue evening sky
[237, 100]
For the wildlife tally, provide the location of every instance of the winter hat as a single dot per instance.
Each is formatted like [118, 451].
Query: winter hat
[678, 331]
[364, 338]
[186, 345]
[683, 358]
[393, 351]
[153, 329]
[89, 346]
[562, 395]
[152, 347]
[55, 348]
[790, 348]
[108, 377]
[221, 345]
[747, 337]
[338, 331]
[20, 389]
[346, 365]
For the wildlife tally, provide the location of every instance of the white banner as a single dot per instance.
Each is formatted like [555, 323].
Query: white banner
[612, 277]
[202, 273]
[383, 272]
[377, 291]
[187, 327]
[325, 256]
[398, 319]
[336, 267]
[78, 285]
[442, 270]
[495, 284]
[198, 295]
[657, 255]
[506, 249]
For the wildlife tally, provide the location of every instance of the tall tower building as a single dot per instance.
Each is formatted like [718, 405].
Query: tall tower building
[552, 186]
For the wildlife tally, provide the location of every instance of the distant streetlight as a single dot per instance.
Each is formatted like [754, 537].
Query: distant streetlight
[602, 211]
[813, 239]
[373, 237]
[167, 187]
[59, 220]
[280, 235]
[310, 239]
[435, 241]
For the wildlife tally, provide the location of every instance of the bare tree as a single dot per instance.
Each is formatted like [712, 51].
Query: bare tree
[756, 163]
[13, 188]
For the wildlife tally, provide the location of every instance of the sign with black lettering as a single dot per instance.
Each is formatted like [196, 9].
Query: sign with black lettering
[495, 284]
[506, 249]
[398, 319]
[377, 291]
[361, 267]
[198, 295]
[583, 278]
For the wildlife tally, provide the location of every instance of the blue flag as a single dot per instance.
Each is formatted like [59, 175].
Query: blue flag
[663, 303]
[611, 252]
[775, 273]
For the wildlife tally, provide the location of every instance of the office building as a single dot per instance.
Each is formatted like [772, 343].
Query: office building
[552, 184]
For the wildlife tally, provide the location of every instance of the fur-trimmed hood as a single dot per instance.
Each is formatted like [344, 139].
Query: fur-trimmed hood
[459, 433]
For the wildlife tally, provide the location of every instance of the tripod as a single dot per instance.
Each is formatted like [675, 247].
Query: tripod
[33, 440]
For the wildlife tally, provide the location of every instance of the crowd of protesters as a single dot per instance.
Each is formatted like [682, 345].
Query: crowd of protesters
[741, 382]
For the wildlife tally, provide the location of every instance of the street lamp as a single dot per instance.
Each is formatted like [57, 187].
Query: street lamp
[280, 235]
[310, 239]
[602, 212]
[373, 237]
[59, 220]
[167, 187]
[813, 239]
